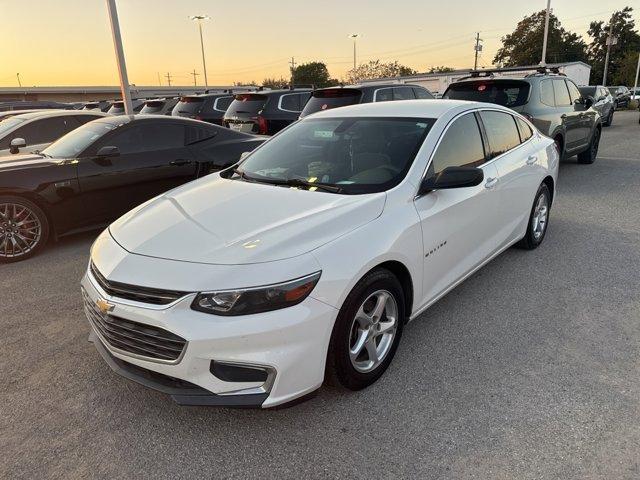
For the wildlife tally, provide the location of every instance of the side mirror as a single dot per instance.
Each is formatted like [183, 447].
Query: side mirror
[108, 151]
[16, 144]
[589, 101]
[453, 177]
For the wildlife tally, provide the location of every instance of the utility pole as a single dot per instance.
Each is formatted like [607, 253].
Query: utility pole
[635, 83]
[293, 68]
[168, 77]
[478, 49]
[19, 82]
[122, 66]
[195, 74]
[543, 62]
[159, 81]
[611, 40]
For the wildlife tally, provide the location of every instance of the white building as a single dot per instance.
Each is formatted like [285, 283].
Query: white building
[437, 83]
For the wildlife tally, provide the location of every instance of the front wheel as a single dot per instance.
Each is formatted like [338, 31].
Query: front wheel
[538, 219]
[24, 229]
[609, 119]
[367, 331]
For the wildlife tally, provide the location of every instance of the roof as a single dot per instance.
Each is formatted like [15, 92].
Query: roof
[405, 108]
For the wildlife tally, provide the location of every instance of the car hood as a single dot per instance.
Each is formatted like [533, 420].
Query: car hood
[231, 222]
[11, 162]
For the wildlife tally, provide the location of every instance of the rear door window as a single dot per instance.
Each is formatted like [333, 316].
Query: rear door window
[290, 102]
[524, 129]
[561, 93]
[502, 132]
[421, 93]
[191, 105]
[461, 146]
[148, 138]
[403, 93]
[508, 93]
[546, 93]
[383, 95]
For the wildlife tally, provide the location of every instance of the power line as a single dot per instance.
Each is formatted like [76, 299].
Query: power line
[168, 77]
[195, 74]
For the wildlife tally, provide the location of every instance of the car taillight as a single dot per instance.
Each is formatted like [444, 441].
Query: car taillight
[262, 125]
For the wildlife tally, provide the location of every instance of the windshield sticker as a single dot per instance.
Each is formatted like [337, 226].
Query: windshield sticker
[323, 133]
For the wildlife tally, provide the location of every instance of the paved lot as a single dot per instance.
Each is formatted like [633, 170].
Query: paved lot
[530, 369]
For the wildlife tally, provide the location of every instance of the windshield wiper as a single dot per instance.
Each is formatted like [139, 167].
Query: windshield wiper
[299, 182]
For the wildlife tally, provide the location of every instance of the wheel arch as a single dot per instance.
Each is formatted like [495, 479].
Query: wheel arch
[403, 275]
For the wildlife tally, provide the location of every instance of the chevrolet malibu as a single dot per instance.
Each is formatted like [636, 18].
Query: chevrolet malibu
[305, 260]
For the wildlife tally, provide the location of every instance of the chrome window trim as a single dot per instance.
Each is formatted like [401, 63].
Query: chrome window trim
[467, 112]
[215, 103]
[286, 109]
[375, 94]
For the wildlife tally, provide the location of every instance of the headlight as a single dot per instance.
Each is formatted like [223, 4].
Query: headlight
[256, 300]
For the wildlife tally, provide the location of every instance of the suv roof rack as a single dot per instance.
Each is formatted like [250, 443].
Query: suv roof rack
[479, 74]
[546, 71]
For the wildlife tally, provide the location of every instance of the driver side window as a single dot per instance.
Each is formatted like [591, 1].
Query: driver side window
[461, 146]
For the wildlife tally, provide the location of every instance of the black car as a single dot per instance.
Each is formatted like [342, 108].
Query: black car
[208, 107]
[33, 105]
[332, 97]
[103, 169]
[621, 95]
[602, 100]
[159, 106]
[266, 112]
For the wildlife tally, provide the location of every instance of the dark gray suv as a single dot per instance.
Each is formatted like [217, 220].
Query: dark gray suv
[550, 101]
[603, 102]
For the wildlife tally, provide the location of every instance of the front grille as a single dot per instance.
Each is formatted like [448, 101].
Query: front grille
[133, 337]
[155, 296]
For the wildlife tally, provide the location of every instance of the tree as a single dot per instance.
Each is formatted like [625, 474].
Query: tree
[441, 69]
[524, 45]
[313, 73]
[378, 69]
[275, 83]
[628, 41]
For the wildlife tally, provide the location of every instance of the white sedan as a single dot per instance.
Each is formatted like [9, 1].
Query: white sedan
[307, 258]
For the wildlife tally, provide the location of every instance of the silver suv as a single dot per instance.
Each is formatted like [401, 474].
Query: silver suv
[551, 101]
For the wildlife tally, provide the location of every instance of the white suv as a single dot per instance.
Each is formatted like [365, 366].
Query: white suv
[245, 287]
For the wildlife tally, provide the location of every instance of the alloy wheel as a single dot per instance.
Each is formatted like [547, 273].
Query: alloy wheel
[373, 331]
[20, 230]
[539, 218]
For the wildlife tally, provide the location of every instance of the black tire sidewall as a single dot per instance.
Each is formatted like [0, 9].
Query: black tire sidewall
[44, 225]
[339, 365]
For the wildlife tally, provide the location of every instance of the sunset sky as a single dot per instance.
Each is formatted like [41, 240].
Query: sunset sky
[68, 42]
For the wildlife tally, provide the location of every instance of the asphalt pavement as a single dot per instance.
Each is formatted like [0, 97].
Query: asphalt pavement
[529, 369]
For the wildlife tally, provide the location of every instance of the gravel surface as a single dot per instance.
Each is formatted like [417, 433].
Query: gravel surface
[529, 369]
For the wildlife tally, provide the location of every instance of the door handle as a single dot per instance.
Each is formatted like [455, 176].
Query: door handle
[179, 163]
[531, 159]
[491, 182]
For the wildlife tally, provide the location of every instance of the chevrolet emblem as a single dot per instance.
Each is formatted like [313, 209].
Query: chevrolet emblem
[104, 306]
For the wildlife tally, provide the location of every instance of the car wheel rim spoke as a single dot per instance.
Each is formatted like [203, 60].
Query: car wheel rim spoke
[373, 330]
[20, 230]
[539, 220]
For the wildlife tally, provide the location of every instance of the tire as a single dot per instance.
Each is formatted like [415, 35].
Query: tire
[537, 229]
[590, 154]
[24, 229]
[358, 371]
[609, 119]
[559, 142]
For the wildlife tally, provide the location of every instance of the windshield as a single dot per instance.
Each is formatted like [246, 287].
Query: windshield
[331, 98]
[153, 106]
[511, 93]
[189, 105]
[358, 155]
[77, 141]
[8, 124]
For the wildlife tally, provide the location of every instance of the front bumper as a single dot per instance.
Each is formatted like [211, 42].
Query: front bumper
[291, 343]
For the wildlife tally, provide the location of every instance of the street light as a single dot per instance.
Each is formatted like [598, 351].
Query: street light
[199, 19]
[355, 37]
[543, 62]
[122, 66]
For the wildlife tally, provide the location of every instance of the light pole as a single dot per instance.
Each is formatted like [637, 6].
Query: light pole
[199, 19]
[635, 83]
[543, 62]
[611, 40]
[355, 37]
[122, 66]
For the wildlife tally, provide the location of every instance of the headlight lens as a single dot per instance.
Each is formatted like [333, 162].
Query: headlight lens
[256, 300]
